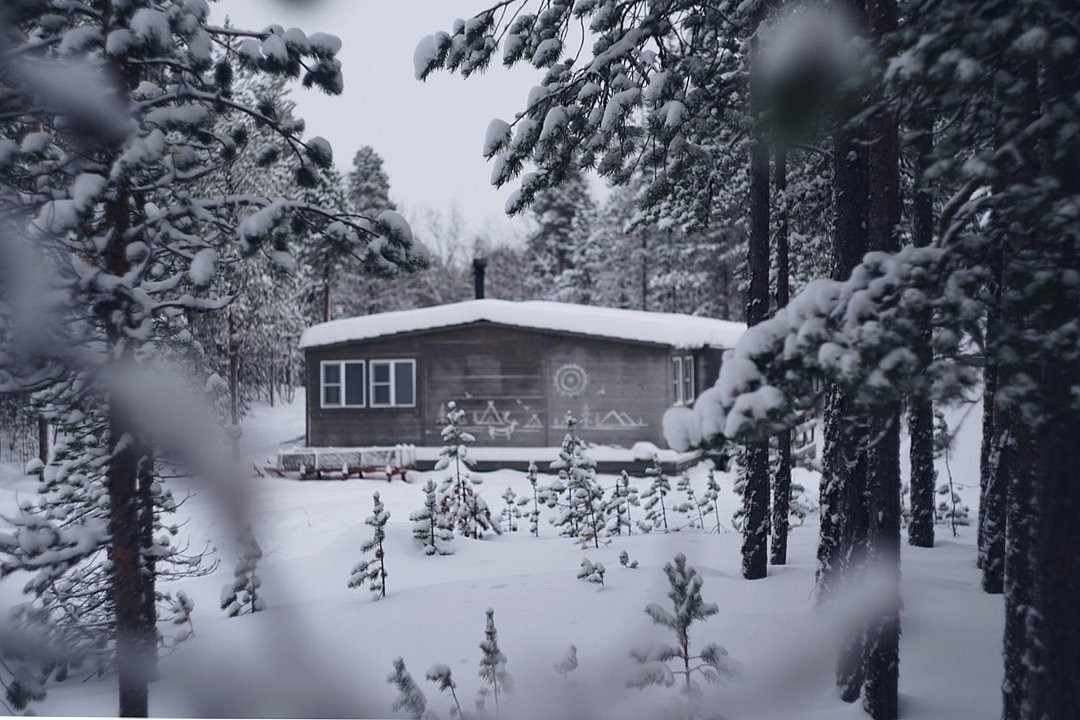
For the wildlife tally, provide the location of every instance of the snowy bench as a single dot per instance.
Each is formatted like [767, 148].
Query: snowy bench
[343, 463]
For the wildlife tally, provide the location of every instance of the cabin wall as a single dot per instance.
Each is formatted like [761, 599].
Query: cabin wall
[516, 387]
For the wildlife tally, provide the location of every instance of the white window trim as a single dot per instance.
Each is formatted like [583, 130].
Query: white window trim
[393, 382]
[676, 371]
[679, 364]
[689, 379]
[341, 384]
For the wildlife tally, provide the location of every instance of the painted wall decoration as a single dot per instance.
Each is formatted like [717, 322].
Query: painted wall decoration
[498, 418]
[605, 419]
[571, 380]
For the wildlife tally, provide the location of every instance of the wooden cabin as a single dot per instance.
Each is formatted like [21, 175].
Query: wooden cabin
[515, 368]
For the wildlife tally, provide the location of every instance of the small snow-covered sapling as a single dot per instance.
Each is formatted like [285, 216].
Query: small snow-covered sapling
[688, 607]
[626, 562]
[654, 497]
[410, 697]
[373, 571]
[431, 526]
[242, 595]
[617, 509]
[493, 663]
[510, 512]
[568, 664]
[692, 507]
[592, 572]
[444, 679]
[534, 514]
[459, 500]
[709, 504]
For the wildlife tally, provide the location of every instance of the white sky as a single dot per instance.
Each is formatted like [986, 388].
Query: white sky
[430, 134]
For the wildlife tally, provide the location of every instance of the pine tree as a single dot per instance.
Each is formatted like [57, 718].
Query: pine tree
[459, 501]
[617, 509]
[581, 516]
[591, 572]
[712, 663]
[410, 697]
[493, 662]
[242, 596]
[511, 511]
[691, 508]
[534, 514]
[654, 497]
[444, 678]
[568, 663]
[709, 503]
[373, 571]
[430, 525]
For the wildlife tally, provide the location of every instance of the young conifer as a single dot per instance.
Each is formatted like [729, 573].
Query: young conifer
[410, 697]
[242, 595]
[654, 498]
[373, 571]
[431, 526]
[493, 663]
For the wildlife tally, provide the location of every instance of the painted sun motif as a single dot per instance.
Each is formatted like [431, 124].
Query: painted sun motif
[571, 380]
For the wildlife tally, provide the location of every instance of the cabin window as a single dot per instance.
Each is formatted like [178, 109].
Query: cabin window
[343, 383]
[682, 377]
[393, 383]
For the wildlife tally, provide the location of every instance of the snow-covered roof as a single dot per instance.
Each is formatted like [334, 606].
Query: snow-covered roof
[679, 331]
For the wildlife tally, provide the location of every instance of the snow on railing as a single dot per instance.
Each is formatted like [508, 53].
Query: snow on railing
[334, 458]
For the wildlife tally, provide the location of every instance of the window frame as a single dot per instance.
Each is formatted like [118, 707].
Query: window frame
[392, 383]
[689, 380]
[341, 384]
[684, 383]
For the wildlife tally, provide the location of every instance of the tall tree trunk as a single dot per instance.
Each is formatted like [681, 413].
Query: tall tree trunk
[1053, 629]
[921, 412]
[128, 580]
[43, 439]
[997, 456]
[149, 564]
[234, 382]
[845, 473]
[881, 658]
[327, 300]
[756, 492]
[781, 500]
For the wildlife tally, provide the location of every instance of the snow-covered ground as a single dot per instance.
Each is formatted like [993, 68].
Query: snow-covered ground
[321, 649]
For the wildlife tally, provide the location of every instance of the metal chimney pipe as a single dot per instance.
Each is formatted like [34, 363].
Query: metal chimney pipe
[479, 265]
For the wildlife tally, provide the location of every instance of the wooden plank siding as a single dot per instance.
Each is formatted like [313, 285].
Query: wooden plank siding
[516, 386]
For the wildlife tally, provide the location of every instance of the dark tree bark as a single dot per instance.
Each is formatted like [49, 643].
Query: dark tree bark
[756, 492]
[844, 537]
[43, 439]
[148, 620]
[1053, 628]
[781, 500]
[128, 581]
[881, 658]
[921, 411]
[997, 455]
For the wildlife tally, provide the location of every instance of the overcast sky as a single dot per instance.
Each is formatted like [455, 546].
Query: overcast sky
[430, 134]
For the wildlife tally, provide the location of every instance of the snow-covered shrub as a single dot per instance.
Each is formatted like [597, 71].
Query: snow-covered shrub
[592, 572]
[373, 571]
[691, 507]
[688, 607]
[430, 525]
[626, 562]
